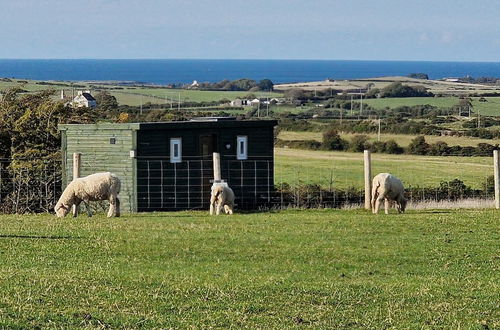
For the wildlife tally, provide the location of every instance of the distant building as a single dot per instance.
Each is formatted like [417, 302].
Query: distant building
[194, 85]
[240, 103]
[84, 99]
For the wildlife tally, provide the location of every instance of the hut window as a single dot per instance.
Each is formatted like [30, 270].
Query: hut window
[242, 147]
[175, 150]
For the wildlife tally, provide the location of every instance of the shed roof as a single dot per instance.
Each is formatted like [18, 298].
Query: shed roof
[172, 125]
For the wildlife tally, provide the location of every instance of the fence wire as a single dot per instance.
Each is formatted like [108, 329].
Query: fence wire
[293, 179]
[29, 186]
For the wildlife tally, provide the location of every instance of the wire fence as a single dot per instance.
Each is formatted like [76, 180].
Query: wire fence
[293, 178]
[29, 186]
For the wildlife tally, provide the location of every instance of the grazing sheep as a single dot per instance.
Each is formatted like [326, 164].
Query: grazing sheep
[389, 188]
[222, 195]
[95, 187]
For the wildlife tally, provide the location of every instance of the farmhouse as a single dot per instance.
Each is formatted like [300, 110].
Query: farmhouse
[168, 166]
[84, 99]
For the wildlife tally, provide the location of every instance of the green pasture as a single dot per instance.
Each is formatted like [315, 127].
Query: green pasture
[345, 169]
[489, 108]
[402, 139]
[132, 96]
[321, 269]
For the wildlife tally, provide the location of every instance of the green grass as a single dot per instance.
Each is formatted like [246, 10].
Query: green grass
[402, 139]
[318, 167]
[132, 97]
[323, 269]
[490, 108]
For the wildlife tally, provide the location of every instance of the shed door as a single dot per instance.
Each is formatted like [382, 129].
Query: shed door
[208, 145]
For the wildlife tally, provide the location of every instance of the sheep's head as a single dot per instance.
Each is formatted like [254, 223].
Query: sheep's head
[403, 205]
[61, 210]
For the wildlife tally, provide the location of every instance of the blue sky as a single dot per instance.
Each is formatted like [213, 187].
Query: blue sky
[443, 30]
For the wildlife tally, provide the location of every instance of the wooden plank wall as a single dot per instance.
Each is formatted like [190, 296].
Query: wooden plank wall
[98, 155]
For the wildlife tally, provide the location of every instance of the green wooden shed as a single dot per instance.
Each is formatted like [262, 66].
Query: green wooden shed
[168, 166]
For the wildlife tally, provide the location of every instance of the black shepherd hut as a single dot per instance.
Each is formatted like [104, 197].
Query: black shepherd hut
[169, 166]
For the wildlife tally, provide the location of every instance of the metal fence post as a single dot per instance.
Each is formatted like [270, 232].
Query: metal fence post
[368, 179]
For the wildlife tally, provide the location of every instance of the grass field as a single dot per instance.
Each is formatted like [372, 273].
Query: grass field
[490, 108]
[132, 95]
[402, 139]
[295, 166]
[323, 269]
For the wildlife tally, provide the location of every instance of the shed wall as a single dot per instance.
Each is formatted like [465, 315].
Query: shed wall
[98, 155]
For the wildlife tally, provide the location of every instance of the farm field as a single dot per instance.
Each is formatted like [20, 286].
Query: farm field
[321, 268]
[133, 96]
[345, 169]
[402, 139]
[490, 108]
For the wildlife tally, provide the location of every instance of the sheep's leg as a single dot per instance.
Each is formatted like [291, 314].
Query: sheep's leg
[387, 206]
[377, 204]
[117, 213]
[112, 206]
[218, 208]
[76, 207]
[212, 205]
[87, 207]
[373, 201]
[228, 209]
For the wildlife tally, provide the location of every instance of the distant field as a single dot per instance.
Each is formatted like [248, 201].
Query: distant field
[402, 139]
[295, 269]
[132, 95]
[490, 108]
[318, 167]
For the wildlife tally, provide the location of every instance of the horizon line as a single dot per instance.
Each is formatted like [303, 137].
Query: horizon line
[237, 59]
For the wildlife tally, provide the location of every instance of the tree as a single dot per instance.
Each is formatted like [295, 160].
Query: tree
[418, 146]
[333, 141]
[106, 101]
[266, 85]
[418, 76]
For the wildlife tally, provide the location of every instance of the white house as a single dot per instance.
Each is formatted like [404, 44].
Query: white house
[84, 99]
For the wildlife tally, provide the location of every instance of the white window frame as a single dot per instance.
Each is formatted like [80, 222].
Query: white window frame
[173, 143]
[242, 153]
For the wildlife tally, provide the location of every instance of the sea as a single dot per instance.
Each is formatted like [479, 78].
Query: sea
[174, 71]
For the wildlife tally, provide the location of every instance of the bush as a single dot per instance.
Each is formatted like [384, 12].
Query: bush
[333, 141]
[418, 146]
[391, 147]
[299, 144]
[359, 143]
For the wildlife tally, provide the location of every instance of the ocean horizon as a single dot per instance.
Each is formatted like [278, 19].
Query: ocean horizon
[168, 71]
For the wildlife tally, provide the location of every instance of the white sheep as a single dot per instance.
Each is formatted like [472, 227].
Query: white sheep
[95, 187]
[222, 195]
[390, 189]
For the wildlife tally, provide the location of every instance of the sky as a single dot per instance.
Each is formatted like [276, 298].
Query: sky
[432, 30]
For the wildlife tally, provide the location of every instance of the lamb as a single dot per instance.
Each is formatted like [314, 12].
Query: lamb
[389, 188]
[222, 195]
[95, 187]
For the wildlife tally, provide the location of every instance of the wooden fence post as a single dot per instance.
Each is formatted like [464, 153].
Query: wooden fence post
[76, 174]
[496, 165]
[368, 179]
[217, 175]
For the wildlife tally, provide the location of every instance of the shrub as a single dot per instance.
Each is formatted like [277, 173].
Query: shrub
[418, 146]
[333, 141]
[391, 147]
[439, 148]
[359, 143]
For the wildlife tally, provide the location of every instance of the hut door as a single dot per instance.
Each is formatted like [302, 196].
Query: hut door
[208, 145]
